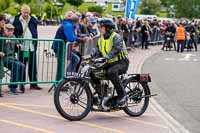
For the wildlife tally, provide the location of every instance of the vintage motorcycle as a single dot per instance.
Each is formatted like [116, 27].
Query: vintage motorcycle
[77, 95]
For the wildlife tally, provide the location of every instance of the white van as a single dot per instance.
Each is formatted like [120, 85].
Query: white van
[118, 7]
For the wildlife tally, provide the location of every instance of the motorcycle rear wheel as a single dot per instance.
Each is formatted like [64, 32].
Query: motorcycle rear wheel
[136, 98]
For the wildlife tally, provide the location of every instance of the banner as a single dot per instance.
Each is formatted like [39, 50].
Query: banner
[131, 8]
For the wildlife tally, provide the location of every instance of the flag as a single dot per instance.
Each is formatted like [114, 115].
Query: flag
[131, 8]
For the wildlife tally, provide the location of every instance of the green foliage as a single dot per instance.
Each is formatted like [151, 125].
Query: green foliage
[4, 4]
[22, 1]
[62, 1]
[150, 7]
[50, 9]
[97, 9]
[76, 3]
[162, 15]
[11, 11]
[188, 8]
[167, 3]
[34, 5]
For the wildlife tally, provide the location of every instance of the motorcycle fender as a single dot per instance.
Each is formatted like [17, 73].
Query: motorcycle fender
[140, 77]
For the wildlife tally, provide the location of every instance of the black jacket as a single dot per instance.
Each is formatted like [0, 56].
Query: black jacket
[19, 29]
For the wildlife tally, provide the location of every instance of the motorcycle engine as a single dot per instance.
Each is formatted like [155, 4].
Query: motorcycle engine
[104, 88]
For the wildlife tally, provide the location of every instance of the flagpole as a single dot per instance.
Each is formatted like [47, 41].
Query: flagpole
[126, 8]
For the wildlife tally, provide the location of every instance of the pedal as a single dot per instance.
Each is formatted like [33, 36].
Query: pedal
[124, 105]
[103, 103]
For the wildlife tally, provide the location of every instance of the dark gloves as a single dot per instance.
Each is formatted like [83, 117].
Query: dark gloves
[101, 60]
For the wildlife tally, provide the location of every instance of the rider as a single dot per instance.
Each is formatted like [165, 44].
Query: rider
[112, 49]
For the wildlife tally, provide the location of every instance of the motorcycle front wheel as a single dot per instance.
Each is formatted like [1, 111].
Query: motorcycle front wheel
[73, 99]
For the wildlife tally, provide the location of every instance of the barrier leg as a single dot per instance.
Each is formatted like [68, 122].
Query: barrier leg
[52, 87]
[1, 95]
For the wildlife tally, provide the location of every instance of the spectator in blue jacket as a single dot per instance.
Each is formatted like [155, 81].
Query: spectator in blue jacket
[65, 32]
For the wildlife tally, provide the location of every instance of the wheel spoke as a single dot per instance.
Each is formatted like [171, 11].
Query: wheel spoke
[81, 105]
[82, 102]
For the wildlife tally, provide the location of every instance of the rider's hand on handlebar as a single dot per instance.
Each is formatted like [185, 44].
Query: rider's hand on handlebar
[100, 60]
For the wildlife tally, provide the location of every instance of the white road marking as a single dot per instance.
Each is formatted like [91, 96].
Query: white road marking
[169, 59]
[186, 57]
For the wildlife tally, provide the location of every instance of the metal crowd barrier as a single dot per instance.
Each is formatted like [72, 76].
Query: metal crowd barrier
[46, 61]
[155, 38]
[85, 48]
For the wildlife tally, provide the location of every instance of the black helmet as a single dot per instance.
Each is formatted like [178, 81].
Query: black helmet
[108, 24]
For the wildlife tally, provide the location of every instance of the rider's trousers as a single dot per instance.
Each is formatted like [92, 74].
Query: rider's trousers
[113, 72]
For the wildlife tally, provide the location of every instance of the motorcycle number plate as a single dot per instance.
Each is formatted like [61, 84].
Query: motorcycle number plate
[145, 78]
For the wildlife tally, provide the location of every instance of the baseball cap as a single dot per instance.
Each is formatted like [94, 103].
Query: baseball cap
[9, 26]
[92, 20]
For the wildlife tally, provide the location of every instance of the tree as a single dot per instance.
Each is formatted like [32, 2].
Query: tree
[22, 1]
[34, 5]
[52, 11]
[150, 7]
[76, 3]
[97, 9]
[188, 8]
[167, 3]
[4, 4]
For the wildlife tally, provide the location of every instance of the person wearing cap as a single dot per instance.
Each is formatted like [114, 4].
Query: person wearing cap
[26, 27]
[65, 32]
[17, 68]
[92, 27]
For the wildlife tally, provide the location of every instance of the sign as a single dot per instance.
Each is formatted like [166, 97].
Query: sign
[131, 8]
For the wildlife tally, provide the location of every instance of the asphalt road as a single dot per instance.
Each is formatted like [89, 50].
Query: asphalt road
[176, 79]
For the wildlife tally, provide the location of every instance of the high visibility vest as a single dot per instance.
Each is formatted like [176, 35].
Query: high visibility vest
[105, 46]
[34, 16]
[180, 33]
[44, 16]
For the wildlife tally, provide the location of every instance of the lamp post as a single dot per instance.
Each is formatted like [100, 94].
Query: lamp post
[171, 11]
[53, 1]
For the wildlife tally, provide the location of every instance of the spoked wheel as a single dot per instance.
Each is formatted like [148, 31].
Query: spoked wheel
[73, 99]
[137, 102]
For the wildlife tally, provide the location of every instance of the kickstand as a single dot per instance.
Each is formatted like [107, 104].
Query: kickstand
[1, 95]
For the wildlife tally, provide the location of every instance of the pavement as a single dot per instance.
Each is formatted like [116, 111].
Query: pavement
[34, 111]
[177, 78]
